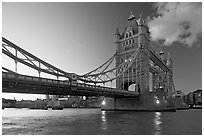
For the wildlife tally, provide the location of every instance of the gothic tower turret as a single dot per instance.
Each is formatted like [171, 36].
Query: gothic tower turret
[143, 56]
[117, 39]
[170, 75]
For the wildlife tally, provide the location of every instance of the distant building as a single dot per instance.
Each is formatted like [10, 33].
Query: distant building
[193, 98]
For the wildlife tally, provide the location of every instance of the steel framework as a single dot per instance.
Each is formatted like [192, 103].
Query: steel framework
[102, 74]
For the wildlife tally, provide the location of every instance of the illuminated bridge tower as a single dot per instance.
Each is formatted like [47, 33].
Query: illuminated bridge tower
[150, 72]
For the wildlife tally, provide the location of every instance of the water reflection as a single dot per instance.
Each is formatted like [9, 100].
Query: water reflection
[157, 123]
[103, 120]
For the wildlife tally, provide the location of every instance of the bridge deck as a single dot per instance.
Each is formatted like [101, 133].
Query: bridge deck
[15, 83]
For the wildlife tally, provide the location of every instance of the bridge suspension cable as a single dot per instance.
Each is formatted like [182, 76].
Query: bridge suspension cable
[106, 75]
[30, 60]
[102, 74]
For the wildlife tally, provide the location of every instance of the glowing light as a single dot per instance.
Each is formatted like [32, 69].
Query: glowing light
[157, 122]
[84, 97]
[125, 60]
[157, 101]
[160, 87]
[103, 103]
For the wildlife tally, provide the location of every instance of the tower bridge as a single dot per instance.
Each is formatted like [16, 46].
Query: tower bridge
[136, 63]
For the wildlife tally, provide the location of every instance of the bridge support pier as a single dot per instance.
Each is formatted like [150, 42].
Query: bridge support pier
[154, 101]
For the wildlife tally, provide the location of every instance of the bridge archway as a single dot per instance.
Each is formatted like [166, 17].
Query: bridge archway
[130, 86]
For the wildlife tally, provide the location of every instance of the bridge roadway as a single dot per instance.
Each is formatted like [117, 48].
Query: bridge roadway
[16, 83]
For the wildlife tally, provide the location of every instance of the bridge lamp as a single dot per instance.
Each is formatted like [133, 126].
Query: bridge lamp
[160, 87]
[103, 102]
[84, 97]
[157, 100]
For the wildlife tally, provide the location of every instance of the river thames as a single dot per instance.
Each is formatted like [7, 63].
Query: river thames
[97, 122]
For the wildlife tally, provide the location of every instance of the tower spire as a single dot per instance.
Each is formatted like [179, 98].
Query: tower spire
[140, 15]
[140, 20]
[131, 16]
[117, 31]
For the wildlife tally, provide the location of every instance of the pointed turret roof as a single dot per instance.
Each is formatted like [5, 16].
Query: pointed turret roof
[117, 31]
[131, 16]
[140, 20]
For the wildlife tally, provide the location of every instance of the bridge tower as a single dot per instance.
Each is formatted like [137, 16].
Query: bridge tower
[135, 35]
[147, 67]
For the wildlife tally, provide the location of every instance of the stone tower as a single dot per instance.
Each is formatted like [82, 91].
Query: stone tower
[147, 66]
[135, 36]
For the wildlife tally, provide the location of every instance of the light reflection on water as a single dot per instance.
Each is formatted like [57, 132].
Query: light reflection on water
[103, 120]
[157, 123]
[97, 122]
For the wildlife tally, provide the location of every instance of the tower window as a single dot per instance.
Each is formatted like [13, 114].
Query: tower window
[130, 34]
[126, 35]
[134, 70]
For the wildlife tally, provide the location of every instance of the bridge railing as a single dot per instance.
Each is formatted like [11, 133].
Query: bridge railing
[33, 79]
[46, 81]
[103, 88]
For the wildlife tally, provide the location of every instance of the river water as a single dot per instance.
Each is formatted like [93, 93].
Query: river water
[97, 122]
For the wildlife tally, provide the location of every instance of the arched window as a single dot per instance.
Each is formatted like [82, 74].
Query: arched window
[134, 70]
[127, 35]
[130, 34]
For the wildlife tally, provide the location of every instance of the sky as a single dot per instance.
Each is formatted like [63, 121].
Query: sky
[79, 37]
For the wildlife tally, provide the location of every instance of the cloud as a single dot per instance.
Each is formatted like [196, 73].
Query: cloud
[177, 22]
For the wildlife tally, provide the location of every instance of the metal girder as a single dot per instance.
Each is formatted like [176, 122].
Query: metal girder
[15, 83]
[156, 59]
[30, 60]
[109, 75]
[101, 68]
[8, 70]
